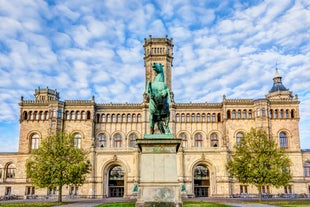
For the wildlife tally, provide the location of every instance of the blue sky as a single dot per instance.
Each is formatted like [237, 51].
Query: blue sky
[91, 47]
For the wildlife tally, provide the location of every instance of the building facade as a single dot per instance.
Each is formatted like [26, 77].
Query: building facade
[109, 133]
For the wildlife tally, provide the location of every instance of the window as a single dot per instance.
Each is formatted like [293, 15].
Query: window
[265, 189]
[187, 117]
[177, 117]
[250, 114]
[102, 140]
[270, 113]
[0, 171]
[134, 118]
[263, 112]
[119, 118]
[243, 189]
[276, 113]
[244, 114]
[78, 115]
[281, 114]
[108, 118]
[8, 191]
[307, 169]
[198, 117]
[239, 114]
[10, 171]
[74, 190]
[139, 117]
[233, 114]
[218, 117]
[113, 118]
[59, 113]
[198, 140]
[203, 117]
[117, 138]
[88, 115]
[52, 191]
[123, 118]
[208, 117]
[128, 117]
[77, 140]
[83, 115]
[183, 118]
[288, 189]
[25, 116]
[213, 117]
[292, 114]
[103, 118]
[30, 115]
[67, 115]
[239, 137]
[214, 140]
[41, 115]
[34, 141]
[286, 113]
[228, 114]
[283, 140]
[29, 190]
[72, 115]
[132, 140]
[184, 139]
[193, 117]
[46, 115]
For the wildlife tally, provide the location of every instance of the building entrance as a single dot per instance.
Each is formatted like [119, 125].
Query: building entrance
[116, 182]
[201, 181]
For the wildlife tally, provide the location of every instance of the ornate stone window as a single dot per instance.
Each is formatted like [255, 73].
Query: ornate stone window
[187, 117]
[132, 140]
[198, 140]
[283, 140]
[250, 114]
[83, 115]
[102, 140]
[233, 115]
[117, 140]
[77, 140]
[10, 171]
[198, 117]
[213, 117]
[214, 140]
[208, 117]
[244, 114]
[177, 117]
[123, 118]
[34, 141]
[239, 137]
[184, 139]
[72, 115]
[307, 169]
[183, 118]
[139, 117]
[203, 117]
[78, 115]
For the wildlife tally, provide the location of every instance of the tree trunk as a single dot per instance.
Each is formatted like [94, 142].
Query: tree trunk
[59, 194]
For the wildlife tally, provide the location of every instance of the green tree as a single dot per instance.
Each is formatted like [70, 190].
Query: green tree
[258, 160]
[57, 162]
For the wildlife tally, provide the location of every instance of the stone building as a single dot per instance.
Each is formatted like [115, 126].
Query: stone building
[109, 132]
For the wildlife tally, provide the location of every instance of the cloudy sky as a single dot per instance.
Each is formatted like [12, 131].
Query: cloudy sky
[90, 47]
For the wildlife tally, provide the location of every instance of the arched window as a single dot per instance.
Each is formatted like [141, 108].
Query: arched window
[134, 118]
[183, 118]
[98, 118]
[228, 114]
[119, 118]
[30, 115]
[78, 115]
[193, 117]
[128, 118]
[250, 114]
[77, 140]
[213, 117]
[287, 113]
[184, 139]
[198, 117]
[34, 141]
[239, 114]
[263, 112]
[116, 182]
[10, 171]
[198, 140]
[208, 117]
[132, 140]
[103, 118]
[113, 118]
[307, 169]
[270, 113]
[108, 118]
[139, 117]
[239, 137]
[117, 140]
[25, 115]
[102, 140]
[67, 115]
[36, 115]
[283, 140]
[276, 113]
[83, 115]
[123, 118]
[41, 115]
[46, 115]
[88, 115]
[292, 114]
[233, 114]
[72, 115]
[177, 117]
[219, 117]
[281, 114]
[244, 114]
[201, 181]
[214, 140]
[187, 117]
[203, 117]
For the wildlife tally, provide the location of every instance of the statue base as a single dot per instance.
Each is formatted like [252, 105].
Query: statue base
[158, 184]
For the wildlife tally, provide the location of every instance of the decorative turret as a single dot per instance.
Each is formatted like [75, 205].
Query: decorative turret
[278, 90]
[46, 94]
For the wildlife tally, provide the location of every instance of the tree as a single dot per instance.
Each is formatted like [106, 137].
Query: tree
[57, 162]
[258, 160]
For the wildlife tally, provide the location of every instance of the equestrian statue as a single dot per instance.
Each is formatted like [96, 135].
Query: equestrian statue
[159, 100]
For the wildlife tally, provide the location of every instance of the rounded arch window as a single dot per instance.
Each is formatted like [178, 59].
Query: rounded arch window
[77, 140]
[35, 141]
[283, 140]
[10, 171]
[214, 140]
[239, 137]
[132, 140]
[117, 138]
[102, 140]
[201, 180]
[184, 139]
[116, 181]
[198, 140]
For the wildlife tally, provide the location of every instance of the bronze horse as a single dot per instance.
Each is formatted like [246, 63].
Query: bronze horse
[159, 95]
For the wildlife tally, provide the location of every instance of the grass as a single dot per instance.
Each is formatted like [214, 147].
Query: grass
[289, 203]
[32, 204]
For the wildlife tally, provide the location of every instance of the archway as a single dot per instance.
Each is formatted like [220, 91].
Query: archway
[201, 181]
[116, 181]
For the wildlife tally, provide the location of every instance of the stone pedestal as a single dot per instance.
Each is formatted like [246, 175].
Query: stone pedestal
[158, 184]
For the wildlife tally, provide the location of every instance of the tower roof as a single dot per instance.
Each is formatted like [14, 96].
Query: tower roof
[277, 83]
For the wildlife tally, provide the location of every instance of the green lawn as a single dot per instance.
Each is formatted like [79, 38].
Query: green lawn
[301, 203]
[185, 204]
[34, 204]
